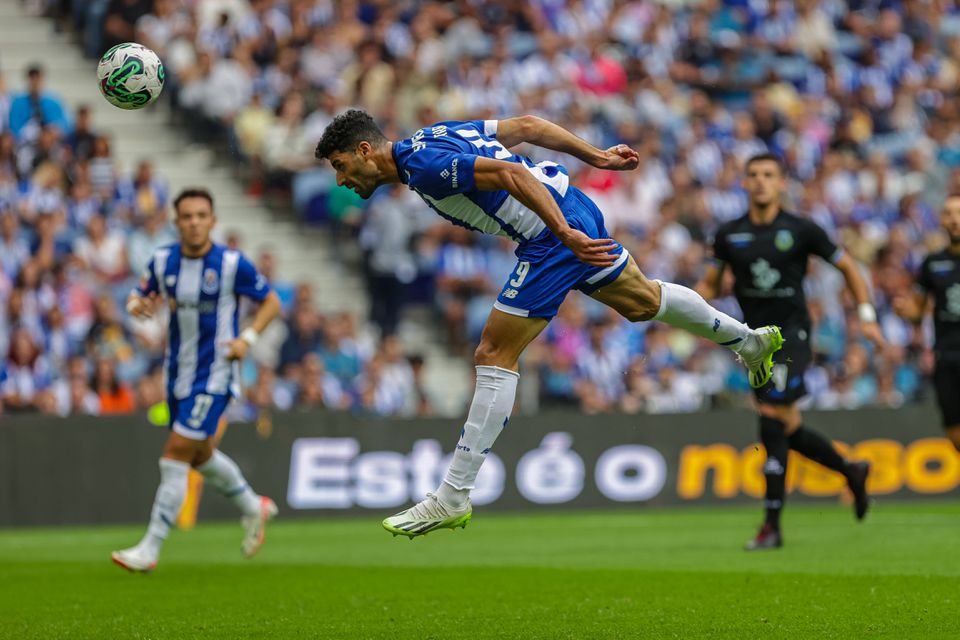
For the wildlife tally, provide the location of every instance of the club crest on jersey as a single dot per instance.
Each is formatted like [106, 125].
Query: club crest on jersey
[783, 240]
[211, 283]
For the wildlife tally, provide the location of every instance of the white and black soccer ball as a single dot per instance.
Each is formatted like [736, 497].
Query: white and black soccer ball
[130, 76]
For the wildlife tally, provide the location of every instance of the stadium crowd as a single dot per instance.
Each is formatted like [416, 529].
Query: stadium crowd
[858, 98]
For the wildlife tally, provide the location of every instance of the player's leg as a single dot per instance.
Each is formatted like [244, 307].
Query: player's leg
[504, 338]
[776, 423]
[223, 474]
[639, 299]
[946, 382]
[179, 453]
[820, 449]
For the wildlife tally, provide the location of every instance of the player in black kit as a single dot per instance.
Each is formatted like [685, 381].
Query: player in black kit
[939, 278]
[767, 251]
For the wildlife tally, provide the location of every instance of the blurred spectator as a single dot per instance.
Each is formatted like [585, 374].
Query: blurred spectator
[103, 251]
[387, 238]
[115, 398]
[461, 275]
[120, 20]
[26, 373]
[35, 108]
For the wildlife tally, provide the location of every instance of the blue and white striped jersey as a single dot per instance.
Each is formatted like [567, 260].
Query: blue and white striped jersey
[437, 163]
[202, 294]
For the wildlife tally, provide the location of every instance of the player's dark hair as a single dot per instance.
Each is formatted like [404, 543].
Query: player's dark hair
[767, 157]
[192, 192]
[348, 130]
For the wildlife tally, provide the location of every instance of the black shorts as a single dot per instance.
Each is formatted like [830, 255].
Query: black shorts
[946, 380]
[789, 364]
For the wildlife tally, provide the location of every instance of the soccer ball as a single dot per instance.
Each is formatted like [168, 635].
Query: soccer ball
[130, 76]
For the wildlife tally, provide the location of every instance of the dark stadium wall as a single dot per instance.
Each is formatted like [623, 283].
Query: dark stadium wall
[103, 470]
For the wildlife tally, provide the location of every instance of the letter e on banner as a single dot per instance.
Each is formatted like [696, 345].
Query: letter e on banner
[320, 473]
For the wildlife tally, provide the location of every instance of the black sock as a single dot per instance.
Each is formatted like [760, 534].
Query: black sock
[774, 438]
[816, 447]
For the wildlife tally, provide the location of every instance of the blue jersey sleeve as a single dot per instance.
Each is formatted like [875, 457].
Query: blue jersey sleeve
[249, 282]
[439, 173]
[148, 280]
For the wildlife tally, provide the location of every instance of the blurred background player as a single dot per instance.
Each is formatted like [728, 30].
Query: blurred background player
[202, 283]
[939, 279]
[464, 171]
[767, 251]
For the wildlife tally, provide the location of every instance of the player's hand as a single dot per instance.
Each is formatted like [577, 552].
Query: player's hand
[141, 306]
[906, 308]
[237, 349]
[593, 251]
[871, 331]
[619, 158]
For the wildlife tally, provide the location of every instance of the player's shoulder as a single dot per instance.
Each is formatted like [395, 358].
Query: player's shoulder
[797, 221]
[733, 226]
[939, 261]
[164, 252]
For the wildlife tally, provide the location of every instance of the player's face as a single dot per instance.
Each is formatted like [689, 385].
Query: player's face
[355, 170]
[764, 182]
[195, 221]
[950, 218]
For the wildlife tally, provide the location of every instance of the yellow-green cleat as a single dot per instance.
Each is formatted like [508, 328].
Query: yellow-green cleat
[426, 516]
[757, 354]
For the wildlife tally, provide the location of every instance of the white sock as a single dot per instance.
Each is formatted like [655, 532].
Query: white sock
[685, 308]
[223, 474]
[169, 499]
[489, 412]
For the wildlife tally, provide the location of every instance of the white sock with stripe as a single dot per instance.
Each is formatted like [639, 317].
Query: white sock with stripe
[167, 503]
[223, 474]
[685, 309]
[489, 412]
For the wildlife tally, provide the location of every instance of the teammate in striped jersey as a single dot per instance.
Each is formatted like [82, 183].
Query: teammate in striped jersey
[466, 172]
[201, 282]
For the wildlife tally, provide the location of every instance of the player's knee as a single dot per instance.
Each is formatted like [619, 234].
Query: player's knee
[488, 354]
[647, 303]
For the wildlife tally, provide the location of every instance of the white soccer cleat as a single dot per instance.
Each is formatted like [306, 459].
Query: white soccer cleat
[757, 354]
[427, 515]
[255, 526]
[136, 559]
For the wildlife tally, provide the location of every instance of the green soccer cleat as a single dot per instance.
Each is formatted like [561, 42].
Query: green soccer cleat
[426, 516]
[757, 354]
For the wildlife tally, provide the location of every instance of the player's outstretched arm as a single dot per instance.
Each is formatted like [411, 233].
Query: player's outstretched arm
[861, 294]
[546, 134]
[512, 177]
[269, 309]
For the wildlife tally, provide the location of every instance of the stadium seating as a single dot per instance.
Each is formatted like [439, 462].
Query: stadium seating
[858, 102]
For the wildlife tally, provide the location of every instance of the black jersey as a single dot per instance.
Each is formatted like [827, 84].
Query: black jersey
[940, 277]
[769, 263]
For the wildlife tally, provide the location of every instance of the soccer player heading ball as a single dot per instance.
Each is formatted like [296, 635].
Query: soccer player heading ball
[767, 249]
[466, 173]
[202, 283]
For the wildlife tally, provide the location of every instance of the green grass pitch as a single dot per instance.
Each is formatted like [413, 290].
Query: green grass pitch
[649, 573]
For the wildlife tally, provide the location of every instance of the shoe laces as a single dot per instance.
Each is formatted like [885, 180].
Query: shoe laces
[428, 509]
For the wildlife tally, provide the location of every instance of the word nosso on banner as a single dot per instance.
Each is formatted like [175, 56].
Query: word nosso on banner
[928, 465]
